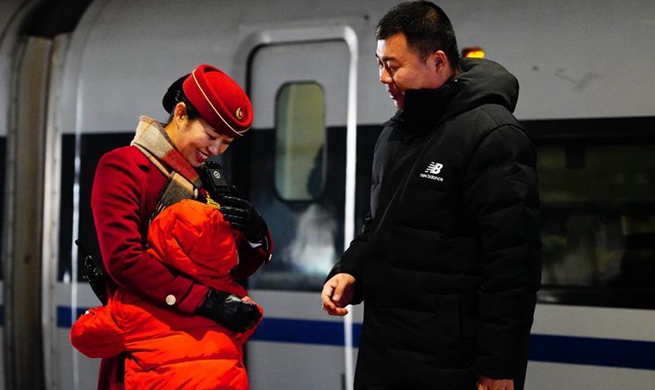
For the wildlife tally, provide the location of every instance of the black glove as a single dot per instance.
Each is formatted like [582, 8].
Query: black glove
[229, 310]
[243, 216]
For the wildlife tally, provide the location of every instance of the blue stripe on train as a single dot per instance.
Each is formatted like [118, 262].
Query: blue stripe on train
[593, 351]
[543, 348]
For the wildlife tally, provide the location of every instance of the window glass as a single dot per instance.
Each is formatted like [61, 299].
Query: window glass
[92, 147]
[299, 141]
[598, 216]
[617, 174]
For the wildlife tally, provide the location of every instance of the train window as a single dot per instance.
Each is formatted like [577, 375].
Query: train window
[92, 147]
[300, 139]
[598, 220]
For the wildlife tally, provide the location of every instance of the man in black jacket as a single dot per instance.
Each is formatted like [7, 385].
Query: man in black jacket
[448, 262]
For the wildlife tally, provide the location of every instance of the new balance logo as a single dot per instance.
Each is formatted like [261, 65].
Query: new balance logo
[434, 168]
[431, 172]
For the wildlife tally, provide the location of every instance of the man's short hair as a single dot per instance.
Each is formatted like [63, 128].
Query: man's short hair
[425, 26]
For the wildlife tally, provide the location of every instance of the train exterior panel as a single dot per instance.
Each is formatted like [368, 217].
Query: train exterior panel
[586, 99]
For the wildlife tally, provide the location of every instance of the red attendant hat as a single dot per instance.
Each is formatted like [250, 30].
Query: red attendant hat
[219, 100]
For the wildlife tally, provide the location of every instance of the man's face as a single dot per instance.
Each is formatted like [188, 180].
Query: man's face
[401, 68]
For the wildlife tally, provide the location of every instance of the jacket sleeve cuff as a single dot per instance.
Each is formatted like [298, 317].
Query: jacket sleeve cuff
[251, 258]
[350, 263]
[185, 295]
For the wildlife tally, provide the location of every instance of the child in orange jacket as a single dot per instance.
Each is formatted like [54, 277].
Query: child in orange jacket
[165, 349]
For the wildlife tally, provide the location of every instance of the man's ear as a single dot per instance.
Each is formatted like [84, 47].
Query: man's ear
[439, 59]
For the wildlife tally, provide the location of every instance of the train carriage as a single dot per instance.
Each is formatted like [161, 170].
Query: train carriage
[75, 90]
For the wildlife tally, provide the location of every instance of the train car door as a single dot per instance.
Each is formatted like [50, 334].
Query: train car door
[297, 179]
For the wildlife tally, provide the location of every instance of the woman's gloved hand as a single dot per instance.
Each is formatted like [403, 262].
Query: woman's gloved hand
[229, 311]
[243, 216]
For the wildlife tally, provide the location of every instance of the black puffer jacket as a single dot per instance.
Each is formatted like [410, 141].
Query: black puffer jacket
[448, 264]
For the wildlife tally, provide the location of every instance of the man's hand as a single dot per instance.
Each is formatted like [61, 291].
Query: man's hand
[486, 383]
[337, 293]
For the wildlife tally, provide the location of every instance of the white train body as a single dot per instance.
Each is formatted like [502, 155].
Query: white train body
[587, 96]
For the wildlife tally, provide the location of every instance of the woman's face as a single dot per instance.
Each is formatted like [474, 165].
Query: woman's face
[197, 141]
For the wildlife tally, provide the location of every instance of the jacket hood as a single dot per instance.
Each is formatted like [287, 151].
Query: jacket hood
[484, 82]
[192, 237]
[478, 82]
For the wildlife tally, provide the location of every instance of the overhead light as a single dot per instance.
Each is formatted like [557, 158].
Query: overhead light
[473, 52]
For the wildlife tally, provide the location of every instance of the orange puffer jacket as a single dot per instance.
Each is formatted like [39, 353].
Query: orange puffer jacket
[193, 238]
[168, 350]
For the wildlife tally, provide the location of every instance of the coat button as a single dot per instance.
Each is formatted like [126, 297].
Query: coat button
[170, 300]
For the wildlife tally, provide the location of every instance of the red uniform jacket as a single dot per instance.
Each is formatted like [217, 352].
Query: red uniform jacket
[125, 192]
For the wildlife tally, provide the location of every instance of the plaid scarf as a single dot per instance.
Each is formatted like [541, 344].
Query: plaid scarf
[183, 179]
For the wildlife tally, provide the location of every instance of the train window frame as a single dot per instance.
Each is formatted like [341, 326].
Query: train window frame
[3, 183]
[574, 135]
[292, 115]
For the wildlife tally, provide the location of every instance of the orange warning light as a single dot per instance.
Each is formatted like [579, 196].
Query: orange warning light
[473, 52]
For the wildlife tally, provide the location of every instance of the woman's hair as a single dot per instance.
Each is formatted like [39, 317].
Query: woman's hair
[175, 94]
[425, 26]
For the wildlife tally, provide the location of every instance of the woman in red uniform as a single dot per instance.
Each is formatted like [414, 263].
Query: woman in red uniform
[208, 111]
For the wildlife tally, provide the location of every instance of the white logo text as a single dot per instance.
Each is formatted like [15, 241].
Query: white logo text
[431, 172]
